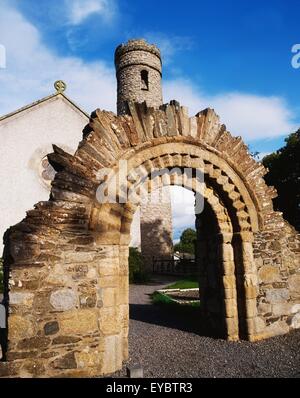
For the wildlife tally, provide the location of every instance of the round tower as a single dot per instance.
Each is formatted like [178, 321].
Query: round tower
[139, 72]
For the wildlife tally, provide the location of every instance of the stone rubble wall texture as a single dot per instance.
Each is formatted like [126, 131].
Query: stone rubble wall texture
[130, 60]
[156, 228]
[277, 258]
[66, 263]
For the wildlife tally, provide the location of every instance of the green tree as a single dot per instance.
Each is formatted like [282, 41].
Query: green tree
[187, 242]
[284, 175]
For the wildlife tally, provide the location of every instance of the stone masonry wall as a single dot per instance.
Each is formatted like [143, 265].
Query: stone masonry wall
[131, 88]
[157, 229]
[277, 257]
[68, 311]
[131, 59]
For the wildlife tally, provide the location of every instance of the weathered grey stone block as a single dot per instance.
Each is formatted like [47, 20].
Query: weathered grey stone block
[277, 295]
[63, 300]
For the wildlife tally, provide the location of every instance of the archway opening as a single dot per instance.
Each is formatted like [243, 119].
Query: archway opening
[214, 264]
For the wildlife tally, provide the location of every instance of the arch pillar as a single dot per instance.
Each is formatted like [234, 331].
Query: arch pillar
[229, 284]
[247, 285]
[215, 255]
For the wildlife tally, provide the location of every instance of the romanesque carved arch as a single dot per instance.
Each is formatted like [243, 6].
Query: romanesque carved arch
[224, 320]
[66, 262]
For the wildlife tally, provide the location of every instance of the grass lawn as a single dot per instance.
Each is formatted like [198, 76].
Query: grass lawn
[188, 283]
[160, 298]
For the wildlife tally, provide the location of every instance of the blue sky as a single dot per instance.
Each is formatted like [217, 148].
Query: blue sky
[234, 56]
[217, 50]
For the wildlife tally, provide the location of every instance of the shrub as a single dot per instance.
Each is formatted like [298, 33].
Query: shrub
[136, 272]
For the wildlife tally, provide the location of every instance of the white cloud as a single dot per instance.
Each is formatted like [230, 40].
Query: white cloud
[32, 69]
[80, 10]
[251, 116]
[183, 208]
[261, 155]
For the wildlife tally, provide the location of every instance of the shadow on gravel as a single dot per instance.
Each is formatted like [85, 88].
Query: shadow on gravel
[176, 317]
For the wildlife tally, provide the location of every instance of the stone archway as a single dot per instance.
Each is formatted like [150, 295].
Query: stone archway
[66, 263]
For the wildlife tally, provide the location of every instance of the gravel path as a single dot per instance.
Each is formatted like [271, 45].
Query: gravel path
[168, 347]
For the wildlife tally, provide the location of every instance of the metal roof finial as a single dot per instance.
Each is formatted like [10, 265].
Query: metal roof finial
[60, 86]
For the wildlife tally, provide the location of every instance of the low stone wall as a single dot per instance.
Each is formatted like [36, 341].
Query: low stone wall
[69, 317]
[277, 257]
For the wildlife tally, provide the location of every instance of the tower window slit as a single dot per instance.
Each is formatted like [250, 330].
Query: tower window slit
[145, 80]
